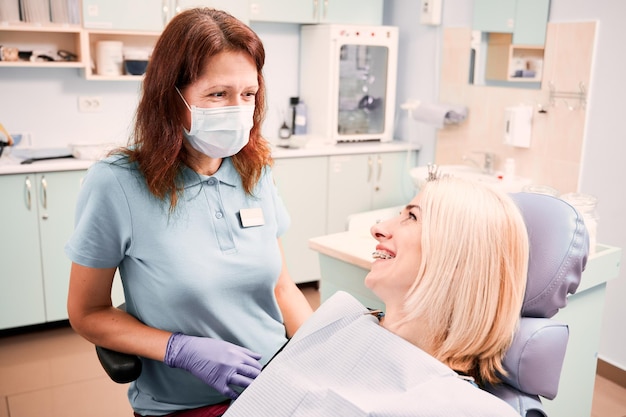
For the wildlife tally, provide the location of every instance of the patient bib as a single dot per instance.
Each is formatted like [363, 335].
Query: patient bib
[343, 363]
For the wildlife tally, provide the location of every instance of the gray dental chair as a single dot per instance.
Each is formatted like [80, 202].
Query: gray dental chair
[559, 245]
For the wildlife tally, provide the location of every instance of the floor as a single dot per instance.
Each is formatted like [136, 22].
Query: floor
[53, 372]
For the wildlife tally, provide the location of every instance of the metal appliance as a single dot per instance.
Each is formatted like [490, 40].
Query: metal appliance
[348, 81]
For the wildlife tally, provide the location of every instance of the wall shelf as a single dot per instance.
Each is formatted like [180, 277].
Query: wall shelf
[47, 39]
[504, 59]
[72, 38]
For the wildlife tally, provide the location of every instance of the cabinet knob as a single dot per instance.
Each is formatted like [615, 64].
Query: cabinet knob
[44, 216]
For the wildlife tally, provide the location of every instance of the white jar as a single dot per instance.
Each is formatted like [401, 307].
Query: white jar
[109, 58]
[586, 204]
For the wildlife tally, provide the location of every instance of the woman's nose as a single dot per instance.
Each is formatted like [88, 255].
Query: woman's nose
[379, 231]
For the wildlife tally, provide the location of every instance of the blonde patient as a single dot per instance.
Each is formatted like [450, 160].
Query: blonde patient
[452, 274]
[451, 270]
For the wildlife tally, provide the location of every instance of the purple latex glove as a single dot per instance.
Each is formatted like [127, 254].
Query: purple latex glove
[218, 363]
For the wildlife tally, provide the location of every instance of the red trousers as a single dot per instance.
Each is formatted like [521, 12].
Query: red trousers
[215, 410]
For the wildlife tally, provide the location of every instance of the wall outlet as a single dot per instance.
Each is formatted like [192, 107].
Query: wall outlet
[430, 12]
[89, 104]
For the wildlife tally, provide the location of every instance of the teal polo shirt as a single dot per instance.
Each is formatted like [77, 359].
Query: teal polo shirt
[198, 270]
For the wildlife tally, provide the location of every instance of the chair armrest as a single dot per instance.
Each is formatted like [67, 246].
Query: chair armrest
[121, 367]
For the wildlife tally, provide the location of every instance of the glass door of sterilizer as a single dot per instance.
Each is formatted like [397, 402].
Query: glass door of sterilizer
[362, 89]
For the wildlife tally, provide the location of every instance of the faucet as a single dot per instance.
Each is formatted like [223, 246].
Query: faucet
[488, 161]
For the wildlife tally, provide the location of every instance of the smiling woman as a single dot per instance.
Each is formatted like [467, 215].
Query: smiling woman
[451, 271]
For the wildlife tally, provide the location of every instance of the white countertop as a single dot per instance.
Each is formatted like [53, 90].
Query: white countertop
[354, 247]
[11, 165]
[315, 147]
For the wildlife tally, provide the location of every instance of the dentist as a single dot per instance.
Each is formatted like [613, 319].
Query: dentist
[189, 214]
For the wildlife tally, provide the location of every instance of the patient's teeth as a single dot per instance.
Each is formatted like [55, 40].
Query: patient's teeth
[381, 255]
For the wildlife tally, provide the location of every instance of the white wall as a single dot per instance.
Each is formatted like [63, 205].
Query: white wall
[603, 167]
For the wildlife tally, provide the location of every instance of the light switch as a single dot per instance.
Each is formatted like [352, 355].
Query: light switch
[430, 12]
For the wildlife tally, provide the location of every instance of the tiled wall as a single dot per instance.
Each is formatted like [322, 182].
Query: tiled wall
[555, 152]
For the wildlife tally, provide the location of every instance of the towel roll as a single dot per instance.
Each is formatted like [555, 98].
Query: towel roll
[439, 114]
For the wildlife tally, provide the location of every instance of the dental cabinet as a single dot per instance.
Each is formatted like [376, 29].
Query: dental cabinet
[526, 20]
[366, 12]
[149, 15]
[36, 219]
[302, 185]
[345, 259]
[358, 183]
[319, 192]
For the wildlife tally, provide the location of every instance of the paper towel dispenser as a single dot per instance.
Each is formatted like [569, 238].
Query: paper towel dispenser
[518, 126]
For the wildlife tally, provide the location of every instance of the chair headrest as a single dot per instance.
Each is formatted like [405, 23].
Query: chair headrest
[559, 244]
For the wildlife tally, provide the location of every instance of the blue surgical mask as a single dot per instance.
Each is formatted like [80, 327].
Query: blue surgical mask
[220, 131]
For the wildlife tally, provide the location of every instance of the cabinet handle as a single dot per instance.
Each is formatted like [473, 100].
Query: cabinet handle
[315, 5]
[44, 193]
[28, 187]
[325, 9]
[370, 168]
[177, 7]
[380, 168]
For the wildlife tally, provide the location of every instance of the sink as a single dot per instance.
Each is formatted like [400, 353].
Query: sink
[516, 184]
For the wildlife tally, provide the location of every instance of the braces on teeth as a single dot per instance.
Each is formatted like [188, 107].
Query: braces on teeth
[381, 255]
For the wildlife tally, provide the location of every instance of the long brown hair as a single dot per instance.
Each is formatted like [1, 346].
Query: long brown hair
[178, 59]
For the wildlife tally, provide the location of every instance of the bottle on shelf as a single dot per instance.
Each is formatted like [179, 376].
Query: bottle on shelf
[298, 116]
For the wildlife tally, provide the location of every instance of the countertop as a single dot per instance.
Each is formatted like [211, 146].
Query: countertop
[11, 165]
[356, 247]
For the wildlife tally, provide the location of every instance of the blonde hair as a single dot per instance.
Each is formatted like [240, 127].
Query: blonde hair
[471, 280]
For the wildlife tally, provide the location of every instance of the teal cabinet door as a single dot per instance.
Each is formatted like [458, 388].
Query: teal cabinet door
[526, 19]
[494, 15]
[135, 15]
[285, 11]
[21, 286]
[350, 182]
[531, 22]
[365, 12]
[358, 183]
[393, 185]
[302, 184]
[57, 196]
[150, 15]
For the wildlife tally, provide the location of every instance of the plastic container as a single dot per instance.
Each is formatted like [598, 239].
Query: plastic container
[109, 58]
[586, 205]
[508, 173]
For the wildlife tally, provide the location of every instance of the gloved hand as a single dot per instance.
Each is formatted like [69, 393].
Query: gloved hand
[218, 363]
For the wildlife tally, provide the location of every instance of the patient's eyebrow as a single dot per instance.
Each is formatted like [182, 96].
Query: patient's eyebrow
[409, 207]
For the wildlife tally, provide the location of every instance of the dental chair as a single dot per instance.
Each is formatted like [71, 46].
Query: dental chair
[559, 245]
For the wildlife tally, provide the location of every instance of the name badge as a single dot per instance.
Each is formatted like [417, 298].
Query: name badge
[251, 217]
